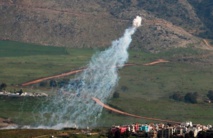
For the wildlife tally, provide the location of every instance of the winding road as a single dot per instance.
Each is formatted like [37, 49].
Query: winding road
[131, 115]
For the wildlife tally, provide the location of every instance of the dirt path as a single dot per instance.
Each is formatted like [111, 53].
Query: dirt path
[52, 77]
[156, 62]
[128, 114]
[80, 70]
[208, 46]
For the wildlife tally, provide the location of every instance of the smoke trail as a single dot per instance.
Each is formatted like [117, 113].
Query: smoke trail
[73, 105]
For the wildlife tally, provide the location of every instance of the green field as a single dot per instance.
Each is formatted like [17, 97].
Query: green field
[147, 88]
[21, 62]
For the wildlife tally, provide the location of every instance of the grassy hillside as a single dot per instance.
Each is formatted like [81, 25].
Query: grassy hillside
[143, 90]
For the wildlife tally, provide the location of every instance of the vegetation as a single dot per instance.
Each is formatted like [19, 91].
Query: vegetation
[204, 11]
[177, 96]
[143, 90]
[43, 133]
[68, 23]
[27, 133]
[3, 86]
[116, 95]
[28, 63]
[210, 95]
[191, 97]
[18, 49]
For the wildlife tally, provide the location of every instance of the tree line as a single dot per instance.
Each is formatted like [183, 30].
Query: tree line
[192, 97]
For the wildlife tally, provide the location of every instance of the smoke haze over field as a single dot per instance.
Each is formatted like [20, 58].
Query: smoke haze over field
[73, 105]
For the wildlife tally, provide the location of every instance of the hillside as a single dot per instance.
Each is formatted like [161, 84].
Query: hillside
[95, 23]
[143, 90]
[204, 10]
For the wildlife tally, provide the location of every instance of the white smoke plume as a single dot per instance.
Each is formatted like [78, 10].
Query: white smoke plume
[73, 104]
[137, 21]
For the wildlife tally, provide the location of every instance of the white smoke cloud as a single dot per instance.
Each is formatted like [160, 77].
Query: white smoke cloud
[73, 104]
[137, 21]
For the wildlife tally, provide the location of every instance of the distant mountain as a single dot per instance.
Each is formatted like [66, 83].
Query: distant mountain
[95, 23]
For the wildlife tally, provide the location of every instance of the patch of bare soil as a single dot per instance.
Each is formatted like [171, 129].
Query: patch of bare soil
[208, 46]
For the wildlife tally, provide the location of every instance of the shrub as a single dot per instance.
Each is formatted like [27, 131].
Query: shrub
[191, 97]
[177, 96]
[116, 95]
[53, 83]
[210, 95]
[43, 84]
[124, 88]
[3, 86]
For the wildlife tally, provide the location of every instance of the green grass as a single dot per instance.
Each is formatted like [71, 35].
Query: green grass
[44, 133]
[27, 133]
[22, 62]
[148, 87]
[20, 109]
[18, 49]
[160, 108]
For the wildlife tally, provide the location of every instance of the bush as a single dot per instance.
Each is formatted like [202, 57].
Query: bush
[63, 82]
[177, 96]
[116, 95]
[53, 83]
[210, 95]
[3, 86]
[43, 84]
[191, 97]
[124, 88]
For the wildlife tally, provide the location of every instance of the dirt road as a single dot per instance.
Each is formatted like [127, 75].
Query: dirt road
[131, 115]
[208, 46]
[80, 70]
[52, 77]
[156, 62]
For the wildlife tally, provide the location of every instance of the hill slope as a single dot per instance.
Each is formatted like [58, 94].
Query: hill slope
[95, 23]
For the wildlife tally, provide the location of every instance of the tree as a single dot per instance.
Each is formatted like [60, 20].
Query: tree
[20, 91]
[53, 83]
[63, 82]
[116, 95]
[43, 84]
[124, 88]
[191, 97]
[177, 96]
[210, 95]
[3, 86]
